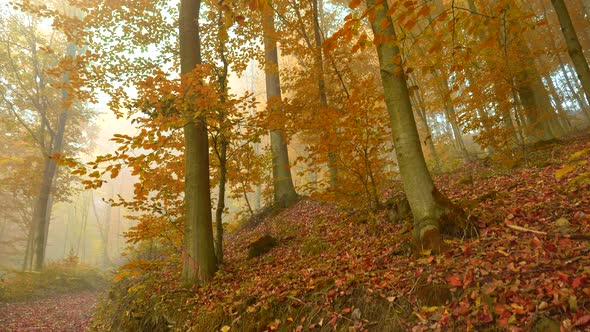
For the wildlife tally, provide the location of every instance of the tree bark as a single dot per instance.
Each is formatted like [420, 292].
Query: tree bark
[42, 210]
[319, 59]
[199, 260]
[541, 119]
[284, 191]
[574, 48]
[425, 202]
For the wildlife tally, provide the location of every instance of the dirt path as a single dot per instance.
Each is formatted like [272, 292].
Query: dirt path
[67, 312]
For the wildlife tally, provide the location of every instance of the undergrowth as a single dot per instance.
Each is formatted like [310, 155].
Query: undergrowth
[57, 277]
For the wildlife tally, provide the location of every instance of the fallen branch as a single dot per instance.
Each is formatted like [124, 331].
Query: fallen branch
[577, 236]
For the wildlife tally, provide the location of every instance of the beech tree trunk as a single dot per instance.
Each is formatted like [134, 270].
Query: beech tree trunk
[574, 48]
[582, 102]
[284, 191]
[332, 160]
[428, 140]
[451, 115]
[542, 122]
[42, 210]
[222, 140]
[563, 116]
[427, 205]
[199, 260]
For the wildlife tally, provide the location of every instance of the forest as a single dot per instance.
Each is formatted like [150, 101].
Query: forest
[286, 165]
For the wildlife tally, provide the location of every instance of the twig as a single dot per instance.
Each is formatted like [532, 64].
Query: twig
[577, 236]
[522, 229]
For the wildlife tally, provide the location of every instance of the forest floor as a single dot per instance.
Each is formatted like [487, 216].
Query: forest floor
[63, 313]
[341, 268]
[345, 268]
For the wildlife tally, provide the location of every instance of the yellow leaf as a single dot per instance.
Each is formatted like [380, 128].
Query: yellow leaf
[579, 154]
[426, 252]
[429, 309]
[568, 169]
[225, 328]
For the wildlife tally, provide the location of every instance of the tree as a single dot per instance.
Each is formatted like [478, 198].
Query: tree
[38, 92]
[284, 191]
[573, 45]
[199, 260]
[428, 206]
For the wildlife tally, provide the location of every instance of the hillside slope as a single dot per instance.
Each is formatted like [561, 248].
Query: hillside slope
[343, 269]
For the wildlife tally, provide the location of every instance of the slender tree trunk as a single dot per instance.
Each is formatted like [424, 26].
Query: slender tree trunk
[541, 119]
[28, 259]
[222, 139]
[284, 191]
[573, 45]
[428, 140]
[426, 203]
[578, 93]
[103, 229]
[42, 209]
[450, 114]
[199, 260]
[220, 207]
[582, 102]
[319, 59]
[563, 116]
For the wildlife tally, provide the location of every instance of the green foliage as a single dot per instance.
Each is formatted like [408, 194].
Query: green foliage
[57, 277]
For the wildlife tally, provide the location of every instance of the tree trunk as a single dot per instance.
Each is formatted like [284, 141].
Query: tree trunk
[42, 210]
[199, 260]
[319, 59]
[222, 138]
[28, 259]
[558, 103]
[573, 45]
[428, 140]
[582, 103]
[284, 191]
[427, 205]
[220, 206]
[541, 119]
[451, 115]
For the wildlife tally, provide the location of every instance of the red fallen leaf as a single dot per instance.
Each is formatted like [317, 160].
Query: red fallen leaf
[582, 320]
[333, 321]
[536, 243]
[485, 317]
[455, 281]
[577, 282]
[346, 310]
[468, 278]
[562, 276]
[500, 310]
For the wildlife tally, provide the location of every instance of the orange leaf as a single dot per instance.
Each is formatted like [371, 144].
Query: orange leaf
[354, 3]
